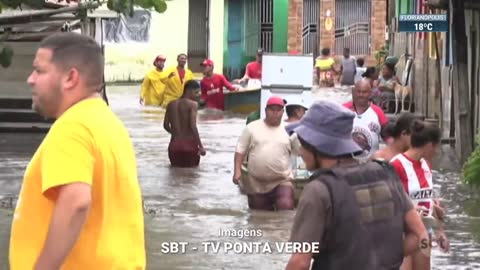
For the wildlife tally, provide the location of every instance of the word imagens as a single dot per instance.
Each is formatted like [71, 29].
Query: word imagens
[240, 234]
[211, 247]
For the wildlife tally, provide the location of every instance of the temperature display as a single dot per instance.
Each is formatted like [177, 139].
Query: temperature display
[423, 23]
[424, 26]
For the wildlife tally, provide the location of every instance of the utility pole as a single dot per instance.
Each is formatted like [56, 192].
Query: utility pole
[461, 91]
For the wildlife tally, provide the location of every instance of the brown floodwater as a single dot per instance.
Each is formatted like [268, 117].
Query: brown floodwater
[194, 205]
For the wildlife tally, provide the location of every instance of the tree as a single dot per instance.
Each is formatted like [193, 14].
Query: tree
[125, 7]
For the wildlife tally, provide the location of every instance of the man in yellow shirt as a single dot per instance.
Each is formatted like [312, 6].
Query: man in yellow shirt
[80, 204]
[174, 79]
[152, 89]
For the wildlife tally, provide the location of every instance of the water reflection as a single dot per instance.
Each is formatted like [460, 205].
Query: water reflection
[193, 205]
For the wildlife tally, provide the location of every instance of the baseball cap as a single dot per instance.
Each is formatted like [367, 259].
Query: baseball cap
[207, 62]
[159, 58]
[276, 100]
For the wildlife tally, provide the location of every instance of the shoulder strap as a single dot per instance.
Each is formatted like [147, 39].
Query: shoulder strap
[384, 164]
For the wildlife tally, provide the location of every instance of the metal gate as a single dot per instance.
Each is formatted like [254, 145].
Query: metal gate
[266, 25]
[252, 27]
[258, 26]
[198, 33]
[311, 10]
[352, 26]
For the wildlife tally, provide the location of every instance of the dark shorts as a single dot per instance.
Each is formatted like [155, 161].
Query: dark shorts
[183, 153]
[280, 198]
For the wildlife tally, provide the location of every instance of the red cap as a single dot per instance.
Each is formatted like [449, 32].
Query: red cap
[159, 58]
[275, 100]
[207, 62]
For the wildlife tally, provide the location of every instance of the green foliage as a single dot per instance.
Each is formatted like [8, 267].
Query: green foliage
[381, 55]
[6, 56]
[471, 168]
[125, 7]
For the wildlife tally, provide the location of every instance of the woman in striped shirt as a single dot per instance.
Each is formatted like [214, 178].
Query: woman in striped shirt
[415, 173]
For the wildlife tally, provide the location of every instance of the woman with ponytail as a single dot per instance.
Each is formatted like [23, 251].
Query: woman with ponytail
[415, 172]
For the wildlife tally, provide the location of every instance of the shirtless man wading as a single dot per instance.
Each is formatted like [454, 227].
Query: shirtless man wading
[181, 121]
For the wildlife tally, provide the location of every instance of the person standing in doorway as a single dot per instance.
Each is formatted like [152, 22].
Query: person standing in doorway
[268, 147]
[348, 68]
[175, 78]
[180, 121]
[212, 86]
[80, 204]
[152, 89]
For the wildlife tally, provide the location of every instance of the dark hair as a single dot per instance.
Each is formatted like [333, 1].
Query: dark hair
[369, 72]
[360, 62]
[389, 129]
[81, 52]
[191, 85]
[424, 133]
[390, 67]
[290, 109]
[182, 54]
[403, 123]
[325, 51]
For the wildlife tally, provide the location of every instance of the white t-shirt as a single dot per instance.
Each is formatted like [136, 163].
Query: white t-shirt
[360, 71]
[269, 150]
[367, 127]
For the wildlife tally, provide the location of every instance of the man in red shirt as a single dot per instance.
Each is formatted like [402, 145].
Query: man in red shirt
[253, 70]
[212, 86]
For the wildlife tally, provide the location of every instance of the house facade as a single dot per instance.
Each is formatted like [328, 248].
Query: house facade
[250, 25]
[194, 27]
[336, 24]
[446, 73]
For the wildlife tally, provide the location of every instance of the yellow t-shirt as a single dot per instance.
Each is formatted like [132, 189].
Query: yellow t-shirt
[174, 86]
[89, 144]
[324, 64]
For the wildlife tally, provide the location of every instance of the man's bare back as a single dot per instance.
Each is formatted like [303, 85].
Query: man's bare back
[180, 120]
[181, 116]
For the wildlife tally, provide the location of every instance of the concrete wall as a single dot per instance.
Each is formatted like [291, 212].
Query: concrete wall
[14, 78]
[216, 33]
[168, 36]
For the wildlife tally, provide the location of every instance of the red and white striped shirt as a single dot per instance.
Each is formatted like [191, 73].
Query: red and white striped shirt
[416, 177]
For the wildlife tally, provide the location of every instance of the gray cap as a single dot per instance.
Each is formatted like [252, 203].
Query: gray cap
[327, 126]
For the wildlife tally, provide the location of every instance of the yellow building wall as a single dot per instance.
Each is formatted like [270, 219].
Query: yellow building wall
[168, 36]
[216, 33]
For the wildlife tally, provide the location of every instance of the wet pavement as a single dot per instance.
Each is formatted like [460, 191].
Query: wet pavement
[194, 205]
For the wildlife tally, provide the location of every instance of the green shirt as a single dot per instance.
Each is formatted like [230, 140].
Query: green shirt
[253, 116]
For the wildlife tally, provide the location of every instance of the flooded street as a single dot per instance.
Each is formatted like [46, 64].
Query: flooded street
[193, 205]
